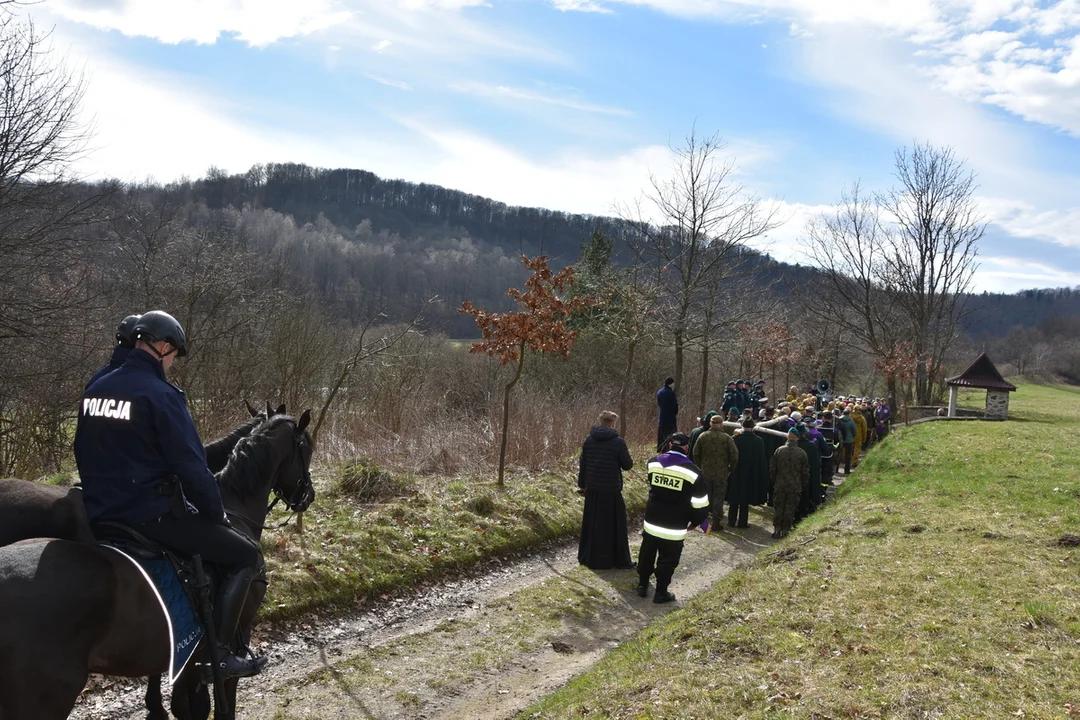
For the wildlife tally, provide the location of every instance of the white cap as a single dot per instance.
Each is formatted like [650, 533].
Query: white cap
[796, 416]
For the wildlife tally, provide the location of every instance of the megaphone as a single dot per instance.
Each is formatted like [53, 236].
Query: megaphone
[823, 386]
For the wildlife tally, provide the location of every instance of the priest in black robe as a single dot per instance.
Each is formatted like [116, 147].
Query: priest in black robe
[604, 455]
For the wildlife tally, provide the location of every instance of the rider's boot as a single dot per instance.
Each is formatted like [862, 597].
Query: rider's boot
[230, 604]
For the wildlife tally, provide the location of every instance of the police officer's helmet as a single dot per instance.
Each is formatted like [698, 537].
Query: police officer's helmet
[125, 331]
[677, 441]
[159, 325]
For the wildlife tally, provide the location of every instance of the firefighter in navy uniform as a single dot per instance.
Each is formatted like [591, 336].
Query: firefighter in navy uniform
[125, 341]
[678, 501]
[142, 463]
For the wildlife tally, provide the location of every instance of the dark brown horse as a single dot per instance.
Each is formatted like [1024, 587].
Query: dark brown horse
[35, 510]
[83, 609]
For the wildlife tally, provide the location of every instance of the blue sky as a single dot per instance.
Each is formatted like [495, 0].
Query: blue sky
[572, 104]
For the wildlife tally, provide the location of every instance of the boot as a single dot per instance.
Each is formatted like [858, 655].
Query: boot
[663, 596]
[227, 611]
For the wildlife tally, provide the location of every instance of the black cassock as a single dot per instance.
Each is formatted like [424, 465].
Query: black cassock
[604, 542]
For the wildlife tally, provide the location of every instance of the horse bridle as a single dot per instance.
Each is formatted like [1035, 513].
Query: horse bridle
[298, 501]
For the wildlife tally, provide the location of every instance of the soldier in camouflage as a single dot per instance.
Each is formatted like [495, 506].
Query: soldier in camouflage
[715, 453]
[790, 471]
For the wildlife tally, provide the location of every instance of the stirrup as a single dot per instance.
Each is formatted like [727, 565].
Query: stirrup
[234, 666]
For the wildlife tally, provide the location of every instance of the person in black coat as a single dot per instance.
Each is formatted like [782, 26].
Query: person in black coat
[749, 483]
[668, 420]
[604, 543]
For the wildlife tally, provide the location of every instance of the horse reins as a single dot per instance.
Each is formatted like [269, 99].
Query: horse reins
[293, 502]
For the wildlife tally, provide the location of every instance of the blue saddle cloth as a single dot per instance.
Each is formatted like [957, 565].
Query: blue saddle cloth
[185, 630]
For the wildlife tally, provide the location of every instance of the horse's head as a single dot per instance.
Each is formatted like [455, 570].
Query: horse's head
[274, 459]
[293, 485]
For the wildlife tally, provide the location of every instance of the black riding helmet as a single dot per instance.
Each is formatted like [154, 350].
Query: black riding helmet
[159, 325]
[125, 331]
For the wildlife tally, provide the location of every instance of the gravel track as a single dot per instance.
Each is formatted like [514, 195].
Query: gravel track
[322, 646]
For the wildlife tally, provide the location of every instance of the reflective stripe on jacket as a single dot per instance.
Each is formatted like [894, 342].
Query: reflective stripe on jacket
[678, 496]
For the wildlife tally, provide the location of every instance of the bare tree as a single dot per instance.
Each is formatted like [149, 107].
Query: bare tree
[849, 246]
[899, 265]
[41, 134]
[931, 252]
[686, 227]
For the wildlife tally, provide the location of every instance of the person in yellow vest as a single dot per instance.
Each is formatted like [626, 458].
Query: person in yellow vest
[860, 432]
[793, 393]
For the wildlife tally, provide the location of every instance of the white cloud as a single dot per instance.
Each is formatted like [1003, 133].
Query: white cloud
[574, 180]
[1012, 274]
[1019, 55]
[593, 6]
[382, 45]
[1023, 219]
[400, 85]
[256, 22]
[567, 100]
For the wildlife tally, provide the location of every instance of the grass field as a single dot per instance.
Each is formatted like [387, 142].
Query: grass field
[351, 551]
[942, 584]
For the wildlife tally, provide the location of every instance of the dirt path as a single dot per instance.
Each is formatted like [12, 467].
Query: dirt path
[481, 647]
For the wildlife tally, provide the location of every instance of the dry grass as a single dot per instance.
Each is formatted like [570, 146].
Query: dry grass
[352, 552]
[938, 587]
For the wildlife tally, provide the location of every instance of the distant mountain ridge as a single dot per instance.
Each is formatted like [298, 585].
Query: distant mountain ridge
[348, 197]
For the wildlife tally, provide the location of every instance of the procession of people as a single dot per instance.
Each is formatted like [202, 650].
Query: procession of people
[749, 452]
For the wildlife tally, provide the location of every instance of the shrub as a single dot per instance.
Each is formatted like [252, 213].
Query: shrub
[481, 504]
[366, 481]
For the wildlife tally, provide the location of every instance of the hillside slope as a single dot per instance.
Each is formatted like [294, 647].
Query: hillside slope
[940, 585]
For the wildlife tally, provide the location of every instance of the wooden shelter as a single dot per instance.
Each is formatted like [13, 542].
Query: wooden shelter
[983, 375]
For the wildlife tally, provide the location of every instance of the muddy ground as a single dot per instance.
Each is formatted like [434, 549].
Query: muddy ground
[483, 647]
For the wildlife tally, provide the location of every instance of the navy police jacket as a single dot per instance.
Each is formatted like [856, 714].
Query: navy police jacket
[119, 355]
[135, 433]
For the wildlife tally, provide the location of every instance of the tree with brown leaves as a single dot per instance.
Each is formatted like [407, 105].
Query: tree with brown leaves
[540, 326]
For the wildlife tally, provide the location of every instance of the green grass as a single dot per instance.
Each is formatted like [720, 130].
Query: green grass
[351, 553]
[935, 587]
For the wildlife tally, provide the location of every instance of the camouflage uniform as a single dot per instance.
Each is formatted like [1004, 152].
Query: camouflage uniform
[790, 471]
[715, 453]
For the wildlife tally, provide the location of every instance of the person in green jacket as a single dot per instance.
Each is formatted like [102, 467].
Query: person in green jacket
[716, 455]
[847, 430]
[703, 426]
[790, 471]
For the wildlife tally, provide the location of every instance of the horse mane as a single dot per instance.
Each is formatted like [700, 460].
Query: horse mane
[252, 460]
[224, 445]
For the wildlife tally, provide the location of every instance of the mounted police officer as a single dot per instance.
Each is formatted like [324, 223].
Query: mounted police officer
[142, 464]
[125, 342]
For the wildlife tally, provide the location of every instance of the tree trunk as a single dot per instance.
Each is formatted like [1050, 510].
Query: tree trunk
[704, 380]
[506, 415]
[678, 360]
[772, 390]
[922, 385]
[624, 387]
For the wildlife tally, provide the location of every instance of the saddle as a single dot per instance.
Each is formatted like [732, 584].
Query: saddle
[172, 579]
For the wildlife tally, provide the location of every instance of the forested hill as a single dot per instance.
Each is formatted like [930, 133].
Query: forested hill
[420, 239]
[348, 197]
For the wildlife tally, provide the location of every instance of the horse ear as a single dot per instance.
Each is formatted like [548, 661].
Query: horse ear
[252, 411]
[280, 409]
[269, 410]
[304, 420]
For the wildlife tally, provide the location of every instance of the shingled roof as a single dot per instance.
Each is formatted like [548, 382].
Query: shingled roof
[982, 374]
